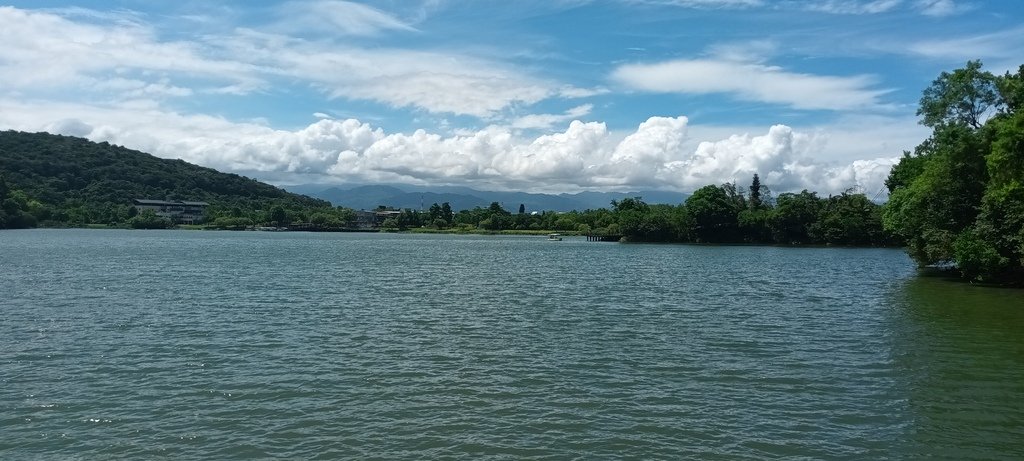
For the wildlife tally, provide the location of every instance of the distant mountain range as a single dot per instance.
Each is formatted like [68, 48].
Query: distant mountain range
[464, 198]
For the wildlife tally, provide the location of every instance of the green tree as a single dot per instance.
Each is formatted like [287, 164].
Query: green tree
[960, 198]
[434, 212]
[963, 97]
[794, 217]
[755, 193]
[277, 216]
[851, 219]
[148, 219]
[446, 212]
[713, 213]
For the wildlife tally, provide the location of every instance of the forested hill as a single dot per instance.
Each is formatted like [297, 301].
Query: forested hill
[75, 180]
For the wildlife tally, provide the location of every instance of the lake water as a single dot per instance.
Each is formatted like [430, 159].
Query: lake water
[221, 345]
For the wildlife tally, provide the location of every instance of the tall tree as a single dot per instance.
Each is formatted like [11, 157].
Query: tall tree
[755, 193]
[446, 213]
[713, 213]
[965, 96]
[960, 197]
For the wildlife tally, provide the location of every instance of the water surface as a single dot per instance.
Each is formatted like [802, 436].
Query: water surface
[219, 345]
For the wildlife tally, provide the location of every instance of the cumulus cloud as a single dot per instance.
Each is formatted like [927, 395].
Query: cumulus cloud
[584, 156]
[751, 82]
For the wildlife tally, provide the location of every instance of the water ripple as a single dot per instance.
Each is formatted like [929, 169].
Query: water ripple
[198, 345]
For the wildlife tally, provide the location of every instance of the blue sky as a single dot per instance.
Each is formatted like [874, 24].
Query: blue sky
[539, 96]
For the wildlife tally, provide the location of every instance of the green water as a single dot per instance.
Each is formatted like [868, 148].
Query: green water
[221, 345]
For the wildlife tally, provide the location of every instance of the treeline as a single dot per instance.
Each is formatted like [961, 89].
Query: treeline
[53, 180]
[958, 199]
[713, 214]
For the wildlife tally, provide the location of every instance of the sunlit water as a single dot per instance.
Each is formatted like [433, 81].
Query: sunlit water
[218, 345]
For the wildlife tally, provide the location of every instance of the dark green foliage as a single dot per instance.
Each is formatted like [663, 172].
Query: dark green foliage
[73, 181]
[964, 97]
[794, 216]
[755, 193]
[903, 173]
[714, 211]
[851, 219]
[960, 198]
[149, 220]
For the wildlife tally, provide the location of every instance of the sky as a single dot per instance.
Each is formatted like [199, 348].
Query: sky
[532, 96]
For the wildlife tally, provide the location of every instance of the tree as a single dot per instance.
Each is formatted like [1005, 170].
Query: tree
[522, 208]
[850, 219]
[1011, 90]
[4, 189]
[148, 219]
[964, 97]
[713, 213]
[446, 213]
[496, 209]
[435, 212]
[755, 193]
[794, 217]
[960, 198]
[278, 216]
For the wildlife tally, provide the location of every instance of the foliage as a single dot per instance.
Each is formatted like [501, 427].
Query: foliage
[72, 181]
[149, 220]
[960, 198]
[713, 211]
[60, 180]
[964, 97]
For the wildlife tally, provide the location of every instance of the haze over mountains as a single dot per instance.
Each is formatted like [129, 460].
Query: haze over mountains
[367, 197]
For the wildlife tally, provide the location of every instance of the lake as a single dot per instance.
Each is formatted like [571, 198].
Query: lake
[230, 345]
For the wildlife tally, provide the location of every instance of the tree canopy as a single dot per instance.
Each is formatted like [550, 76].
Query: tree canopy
[959, 198]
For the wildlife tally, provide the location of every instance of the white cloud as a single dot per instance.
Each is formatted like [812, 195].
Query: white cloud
[338, 17]
[940, 8]
[852, 6]
[44, 52]
[1001, 48]
[546, 121]
[751, 82]
[753, 51]
[705, 3]
[585, 156]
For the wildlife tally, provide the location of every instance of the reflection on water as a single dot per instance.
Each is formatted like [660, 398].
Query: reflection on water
[959, 349]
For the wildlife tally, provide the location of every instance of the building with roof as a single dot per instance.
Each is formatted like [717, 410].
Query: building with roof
[177, 211]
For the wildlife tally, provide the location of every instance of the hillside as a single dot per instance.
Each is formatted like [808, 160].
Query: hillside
[75, 180]
[464, 198]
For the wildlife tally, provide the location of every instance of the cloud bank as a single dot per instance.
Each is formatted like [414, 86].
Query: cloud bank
[585, 156]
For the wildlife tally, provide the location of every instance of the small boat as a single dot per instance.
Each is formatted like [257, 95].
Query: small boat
[554, 237]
